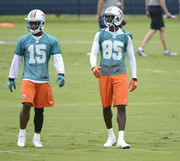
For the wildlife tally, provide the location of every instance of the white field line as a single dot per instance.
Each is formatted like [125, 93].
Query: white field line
[150, 151]
[16, 153]
[8, 42]
[157, 71]
[142, 150]
[132, 149]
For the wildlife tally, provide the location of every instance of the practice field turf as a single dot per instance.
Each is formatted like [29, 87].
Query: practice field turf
[74, 129]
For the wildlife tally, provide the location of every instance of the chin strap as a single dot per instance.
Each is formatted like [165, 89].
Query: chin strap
[114, 27]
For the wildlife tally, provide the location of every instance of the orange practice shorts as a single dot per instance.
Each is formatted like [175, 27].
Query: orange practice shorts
[39, 94]
[113, 85]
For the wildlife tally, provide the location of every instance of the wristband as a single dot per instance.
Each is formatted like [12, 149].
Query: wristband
[61, 74]
[11, 79]
[135, 79]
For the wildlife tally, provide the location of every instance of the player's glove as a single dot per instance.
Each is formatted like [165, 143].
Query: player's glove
[60, 78]
[11, 84]
[96, 72]
[133, 83]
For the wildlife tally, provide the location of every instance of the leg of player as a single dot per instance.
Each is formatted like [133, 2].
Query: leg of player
[107, 114]
[38, 123]
[163, 40]
[24, 118]
[121, 120]
[147, 37]
[162, 37]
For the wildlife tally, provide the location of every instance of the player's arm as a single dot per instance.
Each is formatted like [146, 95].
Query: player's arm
[163, 5]
[59, 65]
[99, 8]
[93, 56]
[147, 10]
[132, 64]
[14, 70]
[94, 51]
[122, 5]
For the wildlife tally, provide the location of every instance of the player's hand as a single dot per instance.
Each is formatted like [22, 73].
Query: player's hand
[11, 84]
[169, 15]
[133, 83]
[96, 72]
[148, 14]
[60, 78]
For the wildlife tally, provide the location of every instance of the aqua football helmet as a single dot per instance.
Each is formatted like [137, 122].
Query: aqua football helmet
[35, 21]
[113, 16]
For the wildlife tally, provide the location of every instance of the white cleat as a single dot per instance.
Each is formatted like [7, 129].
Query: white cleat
[110, 142]
[169, 53]
[21, 140]
[37, 142]
[122, 144]
[140, 52]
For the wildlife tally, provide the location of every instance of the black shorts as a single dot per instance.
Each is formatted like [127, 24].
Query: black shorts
[156, 17]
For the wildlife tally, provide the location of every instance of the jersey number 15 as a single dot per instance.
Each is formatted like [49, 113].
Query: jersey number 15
[41, 54]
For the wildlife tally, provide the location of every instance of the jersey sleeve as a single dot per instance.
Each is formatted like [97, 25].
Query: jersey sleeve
[94, 51]
[129, 34]
[131, 57]
[55, 48]
[14, 70]
[59, 63]
[19, 50]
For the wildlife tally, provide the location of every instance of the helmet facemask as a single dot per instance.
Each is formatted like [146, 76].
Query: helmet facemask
[35, 26]
[109, 20]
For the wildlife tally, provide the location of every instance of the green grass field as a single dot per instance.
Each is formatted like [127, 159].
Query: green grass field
[74, 129]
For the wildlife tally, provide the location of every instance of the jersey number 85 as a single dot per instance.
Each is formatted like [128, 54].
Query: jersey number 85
[109, 47]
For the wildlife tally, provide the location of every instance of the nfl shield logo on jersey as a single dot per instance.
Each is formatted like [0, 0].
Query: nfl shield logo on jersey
[23, 96]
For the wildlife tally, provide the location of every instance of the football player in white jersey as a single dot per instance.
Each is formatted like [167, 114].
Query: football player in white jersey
[35, 48]
[113, 43]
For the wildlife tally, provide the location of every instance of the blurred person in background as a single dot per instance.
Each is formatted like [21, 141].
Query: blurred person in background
[154, 11]
[36, 48]
[102, 5]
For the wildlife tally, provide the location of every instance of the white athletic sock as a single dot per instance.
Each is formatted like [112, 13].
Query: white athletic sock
[37, 135]
[166, 51]
[121, 135]
[110, 132]
[22, 131]
[140, 48]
